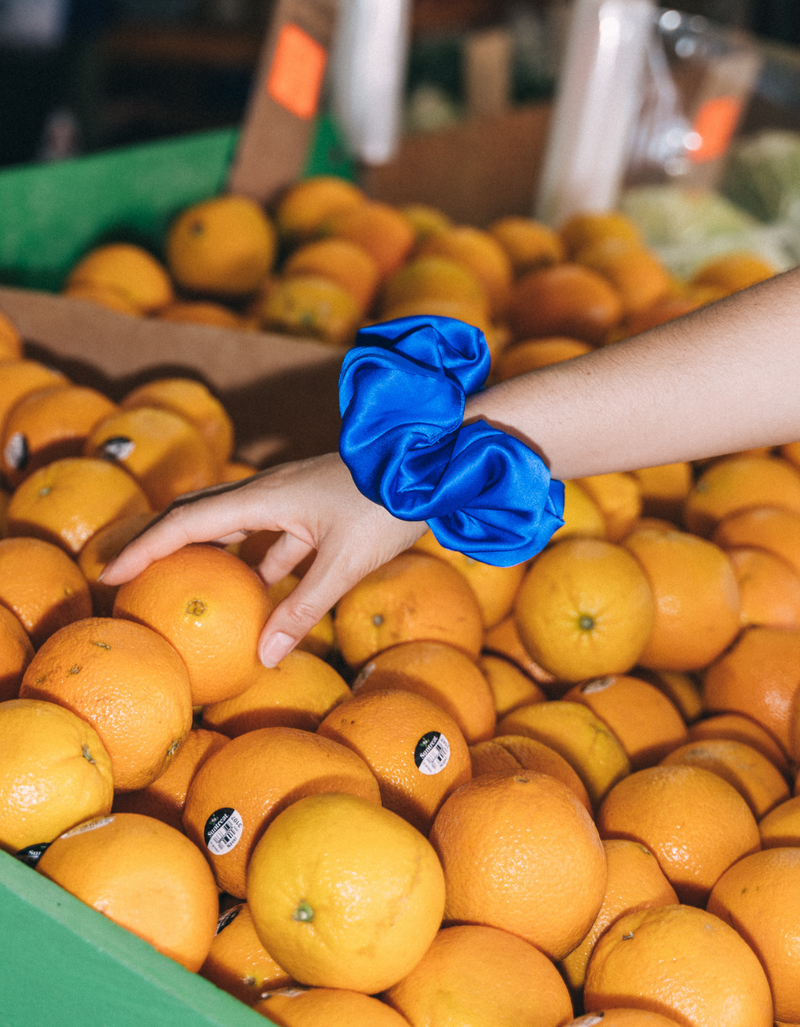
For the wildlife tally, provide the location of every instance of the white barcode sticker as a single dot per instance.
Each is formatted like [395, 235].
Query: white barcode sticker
[432, 753]
[223, 830]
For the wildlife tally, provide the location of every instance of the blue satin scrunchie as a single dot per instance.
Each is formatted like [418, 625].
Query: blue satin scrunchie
[402, 390]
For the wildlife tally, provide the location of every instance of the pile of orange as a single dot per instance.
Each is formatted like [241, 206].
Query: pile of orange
[476, 795]
[325, 259]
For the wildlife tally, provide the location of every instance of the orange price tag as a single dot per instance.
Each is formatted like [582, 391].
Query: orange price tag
[295, 77]
[715, 124]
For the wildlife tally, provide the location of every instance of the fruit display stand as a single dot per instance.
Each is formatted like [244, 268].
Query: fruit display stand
[62, 962]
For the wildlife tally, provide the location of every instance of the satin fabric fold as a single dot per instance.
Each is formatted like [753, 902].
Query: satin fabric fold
[402, 391]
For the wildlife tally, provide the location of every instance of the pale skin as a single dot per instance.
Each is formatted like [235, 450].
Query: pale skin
[722, 379]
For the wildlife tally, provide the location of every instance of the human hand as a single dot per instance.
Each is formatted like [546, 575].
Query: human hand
[315, 505]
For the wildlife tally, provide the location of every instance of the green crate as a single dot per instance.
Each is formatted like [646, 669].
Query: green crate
[61, 962]
[50, 214]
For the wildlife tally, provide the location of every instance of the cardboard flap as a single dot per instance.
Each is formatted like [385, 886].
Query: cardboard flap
[279, 120]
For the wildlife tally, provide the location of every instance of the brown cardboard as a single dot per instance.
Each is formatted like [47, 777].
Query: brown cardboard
[281, 392]
[476, 171]
[275, 139]
[487, 57]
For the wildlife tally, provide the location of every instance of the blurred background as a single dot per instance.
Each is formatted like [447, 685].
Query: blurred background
[77, 76]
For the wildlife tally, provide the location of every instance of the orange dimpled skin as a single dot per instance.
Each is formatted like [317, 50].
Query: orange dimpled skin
[694, 823]
[381, 229]
[327, 1007]
[564, 300]
[415, 750]
[696, 599]
[19, 378]
[16, 652]
[683, 962]
[516, 752]
[127, 682]
[143, 875]
[238, 962]
[521, 853]
[739, 483]
[483, 977]
[42, 586]
[765, 527]
[251, 779]
[67, 501]
[211, 607]
[414, 597]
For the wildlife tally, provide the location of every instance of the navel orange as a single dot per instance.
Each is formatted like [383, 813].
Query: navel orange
[237, 961]
[518, 752]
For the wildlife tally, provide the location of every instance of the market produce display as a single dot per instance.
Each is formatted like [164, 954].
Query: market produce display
[474, 795]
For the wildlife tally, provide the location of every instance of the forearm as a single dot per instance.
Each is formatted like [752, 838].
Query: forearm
[722, 379]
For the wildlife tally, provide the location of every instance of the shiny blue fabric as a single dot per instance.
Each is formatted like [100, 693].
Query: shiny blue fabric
[402, 391]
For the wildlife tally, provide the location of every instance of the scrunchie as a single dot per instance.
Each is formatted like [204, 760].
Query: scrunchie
[402, 390]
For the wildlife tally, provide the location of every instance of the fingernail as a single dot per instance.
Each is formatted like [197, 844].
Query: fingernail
[275, 648]
[102, 573]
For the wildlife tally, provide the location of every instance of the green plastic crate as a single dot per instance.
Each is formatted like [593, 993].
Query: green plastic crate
[50, 214]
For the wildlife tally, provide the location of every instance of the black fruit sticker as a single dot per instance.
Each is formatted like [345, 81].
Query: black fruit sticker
[432, 753]
[228, 917]
[223, 830]
[31, 854]
[118, 448]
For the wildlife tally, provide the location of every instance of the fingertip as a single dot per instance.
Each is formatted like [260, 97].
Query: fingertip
[274, 647]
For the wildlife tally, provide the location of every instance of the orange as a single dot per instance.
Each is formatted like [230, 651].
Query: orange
[439, 672]
[619, 498]
[760, 899]
[300, 692]
[517, 752]
[127, 682]
[483, 977]
[510, 686]
[682, 962]
[635, 881]
[236, 470]
[42, 586]
[413, 597]
[567, 299]
[577, 734]
[47, 425]
[165, 797]
[104, 296]
[764, 527]
[412, 746]
[583, 518]
[145, 876]
[16, 652]
[521, 853]
[471, 313]
[664, 489]
[67, 501]
[759, 677]
[494, 587]
[696, 598]
[693, 821]
[780, 828]
[634, 271]
[344, 262]
[585, 609]
[433, 277]
[588, 227]
[311, 306]
[18, 378]
[503, 640]
[482, 254]
[681, 688]
[345, 894]
[529, 244]
[666, 309]
[738, 483]
[769, 590]
[379, 228]
[211, 607]
[100, 550]
[298, 1006]
[733, 271]
[739, 728]
[126, 269]
[643, 719]
[196, 403]
[203, 312]
[531, 354]
[237, 961]
[627, 1017]
[224, 246]
[791, 452]
[163, 451]
[238, 790]
[425, 219]
[11, 341]
[306, 205]
[54, 773]
[319, 639]
[757, 780]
